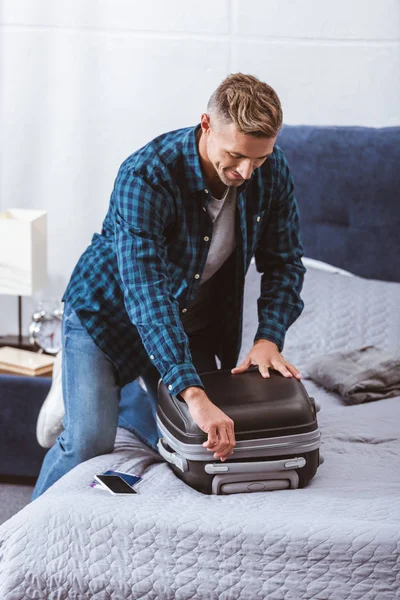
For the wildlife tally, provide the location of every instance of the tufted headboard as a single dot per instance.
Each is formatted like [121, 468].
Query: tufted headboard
[347, 184]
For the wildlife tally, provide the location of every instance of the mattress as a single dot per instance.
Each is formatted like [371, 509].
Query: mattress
[338, 538]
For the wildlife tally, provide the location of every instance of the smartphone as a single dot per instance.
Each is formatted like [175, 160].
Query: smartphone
[115, 485]
[128, 477]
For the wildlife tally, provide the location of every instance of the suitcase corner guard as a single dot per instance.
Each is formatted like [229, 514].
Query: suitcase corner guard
[172, 457]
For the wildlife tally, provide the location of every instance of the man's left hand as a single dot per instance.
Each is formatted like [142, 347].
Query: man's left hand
[265, 355]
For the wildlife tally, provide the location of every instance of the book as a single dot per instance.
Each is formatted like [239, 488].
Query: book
[25, 362]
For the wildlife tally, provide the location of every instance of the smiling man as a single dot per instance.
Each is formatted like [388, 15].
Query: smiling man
[159, 293]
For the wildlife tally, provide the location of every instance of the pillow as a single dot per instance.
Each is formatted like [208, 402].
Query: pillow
[323, 266]
[340, 313]
[312, 263]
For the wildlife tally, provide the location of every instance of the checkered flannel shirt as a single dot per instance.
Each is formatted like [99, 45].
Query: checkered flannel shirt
[137, 277]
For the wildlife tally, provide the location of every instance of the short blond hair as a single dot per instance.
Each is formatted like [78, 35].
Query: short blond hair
[252, 105]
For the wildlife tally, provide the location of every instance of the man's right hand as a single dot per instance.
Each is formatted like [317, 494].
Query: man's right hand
[213, 421]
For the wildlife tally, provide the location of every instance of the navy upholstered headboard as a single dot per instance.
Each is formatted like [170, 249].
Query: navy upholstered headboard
[347, 184]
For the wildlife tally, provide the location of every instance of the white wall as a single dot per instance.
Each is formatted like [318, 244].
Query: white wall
[83, 83]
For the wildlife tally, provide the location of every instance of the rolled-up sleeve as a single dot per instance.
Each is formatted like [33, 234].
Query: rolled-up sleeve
[278, 257]
[143, 212]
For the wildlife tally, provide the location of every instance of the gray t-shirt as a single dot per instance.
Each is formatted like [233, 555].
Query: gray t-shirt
[223, 242]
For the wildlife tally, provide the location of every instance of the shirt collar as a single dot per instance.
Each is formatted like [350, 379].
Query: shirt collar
[192, 167]
[193, 173]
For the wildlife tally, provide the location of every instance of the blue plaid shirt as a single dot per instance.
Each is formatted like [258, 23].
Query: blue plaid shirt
[131, 285]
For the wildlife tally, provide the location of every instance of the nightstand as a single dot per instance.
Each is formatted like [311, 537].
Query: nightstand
[20, 401]
[15, 342]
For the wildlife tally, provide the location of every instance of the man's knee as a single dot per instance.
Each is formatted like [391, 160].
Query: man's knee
[90, 445]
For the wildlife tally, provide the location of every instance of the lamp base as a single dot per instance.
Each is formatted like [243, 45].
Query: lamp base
[14, 342]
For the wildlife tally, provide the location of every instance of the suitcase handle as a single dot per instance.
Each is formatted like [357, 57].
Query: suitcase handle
[256, 467]
[172, 457]
[253, 482]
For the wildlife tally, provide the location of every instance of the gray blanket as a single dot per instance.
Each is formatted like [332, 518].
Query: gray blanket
[336, 539]
[360, 375]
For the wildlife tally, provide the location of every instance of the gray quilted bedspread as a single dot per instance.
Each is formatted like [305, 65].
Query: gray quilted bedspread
[337, 539]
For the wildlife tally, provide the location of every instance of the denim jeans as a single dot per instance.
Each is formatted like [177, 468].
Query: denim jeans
[95, 404]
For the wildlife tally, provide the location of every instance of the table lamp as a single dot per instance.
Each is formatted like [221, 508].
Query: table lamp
[23, 260]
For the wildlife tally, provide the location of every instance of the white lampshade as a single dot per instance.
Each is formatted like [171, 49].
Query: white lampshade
[23, 251]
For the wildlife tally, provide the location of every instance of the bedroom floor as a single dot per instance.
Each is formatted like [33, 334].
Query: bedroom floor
[13, 497]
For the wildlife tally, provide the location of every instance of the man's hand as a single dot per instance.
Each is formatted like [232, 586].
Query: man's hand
[213, 421]
[265, 355]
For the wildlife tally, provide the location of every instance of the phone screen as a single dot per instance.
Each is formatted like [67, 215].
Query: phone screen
[116, 484]
[128, 477]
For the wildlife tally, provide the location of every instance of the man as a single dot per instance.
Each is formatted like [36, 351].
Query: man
[159, 293]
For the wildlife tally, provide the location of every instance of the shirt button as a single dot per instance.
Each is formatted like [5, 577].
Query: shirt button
[152, 356]
[206, 239]
[184, 310]
[258, 219]
[196, 276]
[170, 387]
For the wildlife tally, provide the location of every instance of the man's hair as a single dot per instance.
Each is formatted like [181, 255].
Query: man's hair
[252, 105]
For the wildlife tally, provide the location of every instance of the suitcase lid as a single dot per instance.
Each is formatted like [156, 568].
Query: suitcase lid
[260, 408]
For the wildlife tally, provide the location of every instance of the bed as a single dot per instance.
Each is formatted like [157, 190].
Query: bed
[337, 539]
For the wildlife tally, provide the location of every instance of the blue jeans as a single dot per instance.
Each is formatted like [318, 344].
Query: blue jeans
[95, 404]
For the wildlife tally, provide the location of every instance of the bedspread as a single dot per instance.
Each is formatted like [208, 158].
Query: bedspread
[337, 539]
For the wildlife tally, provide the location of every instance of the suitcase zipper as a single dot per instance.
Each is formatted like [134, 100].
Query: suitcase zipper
[292, 444]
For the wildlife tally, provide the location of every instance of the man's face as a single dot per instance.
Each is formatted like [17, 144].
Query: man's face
[232, 154]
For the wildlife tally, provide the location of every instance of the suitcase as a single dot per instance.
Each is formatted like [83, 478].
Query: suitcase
[276, 431]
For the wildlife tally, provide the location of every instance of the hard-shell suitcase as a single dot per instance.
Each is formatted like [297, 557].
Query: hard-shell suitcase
[276, 431]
